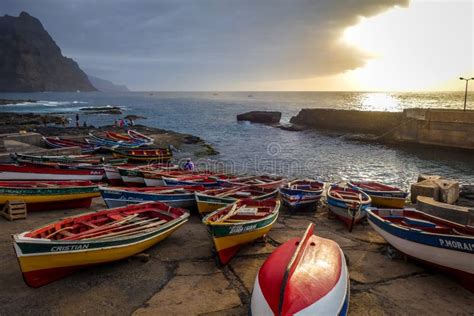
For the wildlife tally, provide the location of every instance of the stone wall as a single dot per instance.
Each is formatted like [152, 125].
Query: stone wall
[447, 128]
[450, 128]
[348, 120]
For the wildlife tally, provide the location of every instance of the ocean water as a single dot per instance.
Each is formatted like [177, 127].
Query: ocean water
[251, 148]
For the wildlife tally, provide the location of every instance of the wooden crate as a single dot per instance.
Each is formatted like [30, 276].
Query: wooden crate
[13, 210]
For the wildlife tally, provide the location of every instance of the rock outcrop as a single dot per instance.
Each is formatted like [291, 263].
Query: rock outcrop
[31, 61]
[264, 117]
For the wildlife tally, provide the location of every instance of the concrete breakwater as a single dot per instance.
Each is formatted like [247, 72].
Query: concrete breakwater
[438, 127]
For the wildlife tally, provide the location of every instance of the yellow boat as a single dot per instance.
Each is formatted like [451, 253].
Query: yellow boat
[382, 195]
[210, 200]
[49, 195]
[239, 223]
[58, 249]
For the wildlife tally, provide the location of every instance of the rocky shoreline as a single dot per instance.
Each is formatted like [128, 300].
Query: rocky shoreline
[8, 101]
[55, 125]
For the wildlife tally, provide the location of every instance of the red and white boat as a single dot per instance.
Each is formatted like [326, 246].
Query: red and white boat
[304, 276]
[113, 175]
[46, 172]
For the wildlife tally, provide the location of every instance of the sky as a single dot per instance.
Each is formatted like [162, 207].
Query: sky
[284, 45]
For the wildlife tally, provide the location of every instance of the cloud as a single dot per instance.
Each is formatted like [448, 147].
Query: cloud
[193, 45]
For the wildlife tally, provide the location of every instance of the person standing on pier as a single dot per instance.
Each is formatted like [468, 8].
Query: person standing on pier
[77, 119]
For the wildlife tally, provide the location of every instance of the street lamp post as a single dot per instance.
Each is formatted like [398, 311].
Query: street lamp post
[465, 93]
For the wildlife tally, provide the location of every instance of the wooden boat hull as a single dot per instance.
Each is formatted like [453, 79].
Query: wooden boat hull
[177, 182]
[43, 260]
[113, 176]
[304, 276]
[132, 177]
[391, 197]
[298, 198]
[152, 182]
[344, 210]
[118, 198]
[343, 214]
[387, 201]
[207, 203]
[164, 158]
[18, 173]
[452, 253]
[228, 238]
[51, 199]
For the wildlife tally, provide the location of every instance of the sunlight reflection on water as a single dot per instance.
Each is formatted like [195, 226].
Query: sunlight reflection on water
[304, 154]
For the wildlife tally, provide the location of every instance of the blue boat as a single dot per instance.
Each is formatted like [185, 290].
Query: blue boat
[182, 197]
[302, 193]
[103, 142]
[348, 204]
[430, 239]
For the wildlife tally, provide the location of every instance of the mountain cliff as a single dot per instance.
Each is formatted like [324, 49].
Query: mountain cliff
[31, 61]
[106, 85]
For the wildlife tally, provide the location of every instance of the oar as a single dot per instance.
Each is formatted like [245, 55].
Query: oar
[129, 231]
[102, 228]
[121, 228]
[229, 214]
[229, 192]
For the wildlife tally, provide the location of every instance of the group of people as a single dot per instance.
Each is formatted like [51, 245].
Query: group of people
[123, 123]
[77, 121]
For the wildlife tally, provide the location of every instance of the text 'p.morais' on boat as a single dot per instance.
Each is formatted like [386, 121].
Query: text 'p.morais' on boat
[304, 276]
[239, 223]
[430, 239]
[54, 251]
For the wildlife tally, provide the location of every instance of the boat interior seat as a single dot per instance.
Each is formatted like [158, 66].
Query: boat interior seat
[418, 222]
[115, 217]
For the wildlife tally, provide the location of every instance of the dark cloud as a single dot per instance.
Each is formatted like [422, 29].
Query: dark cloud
[203, 44]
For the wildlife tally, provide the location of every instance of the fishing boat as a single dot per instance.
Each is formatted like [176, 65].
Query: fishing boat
[204, 180]
[212, 199]
[265, 181]
[144, 155]
[174, 196]
[136, 135]
[299, 194]
[382, 195]
[110, 143]
[49, 195]
[304, 276]
[57, 142]
[118, 136]
[133, 176]
[347, 204]
[67, 159]
[56, 250]
[239, 223]
[46, 172]
[113, 176]
[154, 178]
[430, 239]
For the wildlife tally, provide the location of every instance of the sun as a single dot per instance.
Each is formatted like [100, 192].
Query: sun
[426, 46]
